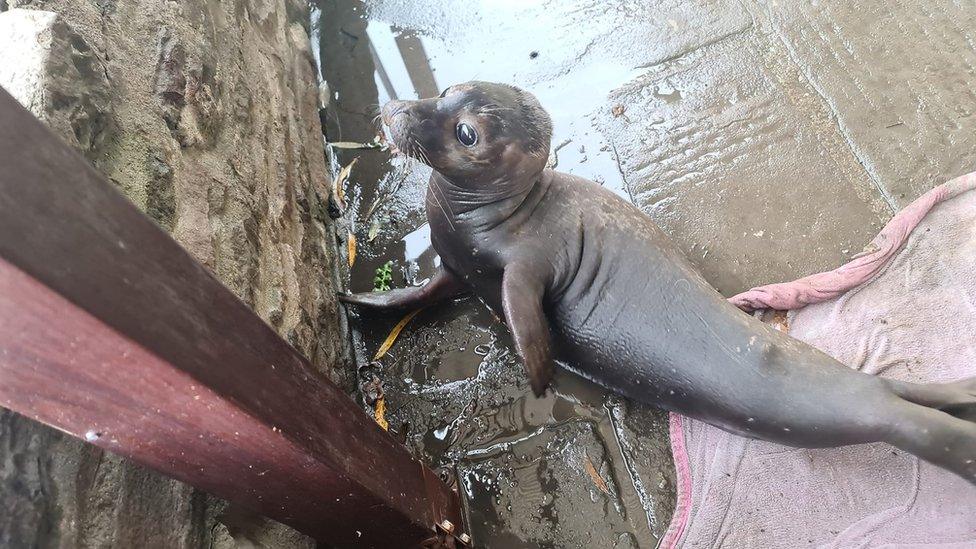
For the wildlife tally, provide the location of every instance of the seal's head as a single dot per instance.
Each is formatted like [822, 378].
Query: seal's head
[474, 133]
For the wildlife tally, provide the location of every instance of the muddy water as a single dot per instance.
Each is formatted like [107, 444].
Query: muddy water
[578, 468]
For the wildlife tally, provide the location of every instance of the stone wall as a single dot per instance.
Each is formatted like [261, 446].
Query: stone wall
[204, 114]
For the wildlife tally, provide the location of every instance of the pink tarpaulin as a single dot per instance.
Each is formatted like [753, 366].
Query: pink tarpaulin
[905, 309]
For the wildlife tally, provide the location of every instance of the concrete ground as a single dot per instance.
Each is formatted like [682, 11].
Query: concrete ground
[769, 139]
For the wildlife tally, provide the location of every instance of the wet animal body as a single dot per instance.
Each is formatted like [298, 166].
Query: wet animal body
[585, 279]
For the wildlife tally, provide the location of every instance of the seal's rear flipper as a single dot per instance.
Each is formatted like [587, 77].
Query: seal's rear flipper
[935, 436]
[957, 398]
[966, 407]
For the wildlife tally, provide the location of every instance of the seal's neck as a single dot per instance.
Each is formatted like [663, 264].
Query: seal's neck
[483, 207]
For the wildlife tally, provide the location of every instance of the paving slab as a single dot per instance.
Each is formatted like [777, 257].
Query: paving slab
[735, 155]
[555, 488]
[898, 77]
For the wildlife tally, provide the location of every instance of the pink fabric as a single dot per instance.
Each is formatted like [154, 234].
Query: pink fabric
[906, 310]
[830, 284]
[682, 508]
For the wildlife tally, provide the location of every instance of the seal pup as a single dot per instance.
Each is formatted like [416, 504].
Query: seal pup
[584, 278]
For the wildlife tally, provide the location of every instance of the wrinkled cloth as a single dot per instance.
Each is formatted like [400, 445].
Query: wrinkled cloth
[905, 310]
[820, 287]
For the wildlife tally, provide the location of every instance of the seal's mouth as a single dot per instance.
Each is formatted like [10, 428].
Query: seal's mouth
[398, 127]
[385, 136]
[398, 143]
[400, 138]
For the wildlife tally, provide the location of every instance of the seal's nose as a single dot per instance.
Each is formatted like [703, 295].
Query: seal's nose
[392, 109]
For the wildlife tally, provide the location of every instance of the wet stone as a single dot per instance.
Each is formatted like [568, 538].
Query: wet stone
[458, 398]
[492, 39]
[442, 393]
[642, 437]
[902, 93]
[736, 159]
[539, 494]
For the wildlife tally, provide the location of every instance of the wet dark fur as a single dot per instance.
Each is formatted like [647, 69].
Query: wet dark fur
[584, 278]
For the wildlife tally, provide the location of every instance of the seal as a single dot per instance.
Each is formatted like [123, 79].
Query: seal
[584, 279]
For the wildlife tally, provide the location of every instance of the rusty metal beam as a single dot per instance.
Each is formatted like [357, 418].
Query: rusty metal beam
[111, 332]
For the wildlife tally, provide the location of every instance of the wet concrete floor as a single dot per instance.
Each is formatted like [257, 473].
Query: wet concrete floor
[770, 139]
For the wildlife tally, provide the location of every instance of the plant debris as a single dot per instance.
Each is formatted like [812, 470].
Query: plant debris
[380, 415]
[394, 333]
[383, 197]
[374, 230]
[339, 185]
[595, 476]
[384, 277]
[553, 160]
[372, 390]
[376, 143]
[373, 387]
[781, 321]
[351, 246]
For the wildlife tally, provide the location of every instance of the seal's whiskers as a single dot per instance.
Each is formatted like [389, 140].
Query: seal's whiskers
[434, 190]
[423, 153]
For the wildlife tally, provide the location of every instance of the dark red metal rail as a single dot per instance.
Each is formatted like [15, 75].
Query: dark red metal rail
[111, 332]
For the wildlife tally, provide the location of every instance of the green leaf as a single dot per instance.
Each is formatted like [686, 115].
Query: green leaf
[383, 280]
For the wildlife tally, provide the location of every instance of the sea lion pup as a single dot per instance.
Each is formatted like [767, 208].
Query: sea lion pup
[585, 278]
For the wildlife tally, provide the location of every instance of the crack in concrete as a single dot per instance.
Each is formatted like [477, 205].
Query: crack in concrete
[636, 482]
[849, 140]
[710, 42]
[623, 176]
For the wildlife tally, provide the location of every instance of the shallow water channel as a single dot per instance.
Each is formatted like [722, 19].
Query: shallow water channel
[579, 467]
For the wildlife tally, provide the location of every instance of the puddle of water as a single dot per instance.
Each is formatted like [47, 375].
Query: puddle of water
[456, 393]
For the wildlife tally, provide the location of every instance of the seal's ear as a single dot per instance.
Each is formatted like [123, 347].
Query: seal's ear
[511, 155]
[515, 161]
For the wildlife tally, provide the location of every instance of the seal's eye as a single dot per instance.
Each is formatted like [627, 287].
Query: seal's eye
[466, 135]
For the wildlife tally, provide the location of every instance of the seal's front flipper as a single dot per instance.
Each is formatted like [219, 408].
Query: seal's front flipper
[443, 285]
[522, 302]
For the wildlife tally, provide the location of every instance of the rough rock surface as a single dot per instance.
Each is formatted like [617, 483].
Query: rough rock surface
[204, 114]
[57, 76]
